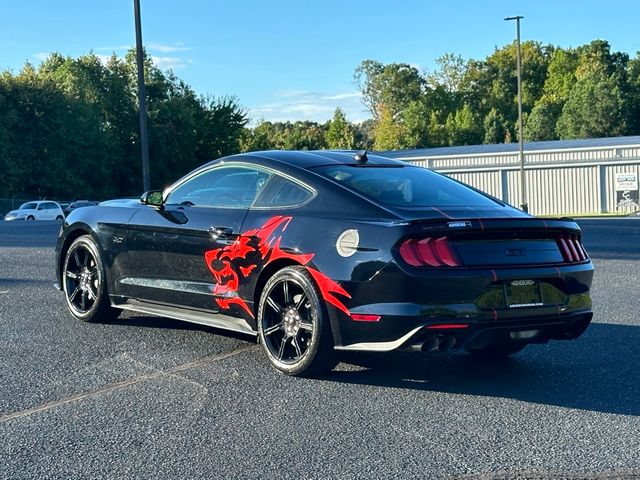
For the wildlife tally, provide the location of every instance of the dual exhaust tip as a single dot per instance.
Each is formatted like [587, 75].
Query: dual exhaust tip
[432, 344]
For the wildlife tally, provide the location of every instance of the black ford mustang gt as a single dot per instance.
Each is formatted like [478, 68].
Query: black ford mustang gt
[314, 252]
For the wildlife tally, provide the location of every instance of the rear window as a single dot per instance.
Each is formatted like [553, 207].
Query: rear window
[405, 186]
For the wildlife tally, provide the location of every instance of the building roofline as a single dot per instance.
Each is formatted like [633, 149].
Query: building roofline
[512, 148]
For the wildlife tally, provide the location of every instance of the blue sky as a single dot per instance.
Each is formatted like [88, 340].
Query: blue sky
[293, 60]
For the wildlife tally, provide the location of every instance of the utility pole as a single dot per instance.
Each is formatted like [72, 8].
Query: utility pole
[142, 100]
[523, 183]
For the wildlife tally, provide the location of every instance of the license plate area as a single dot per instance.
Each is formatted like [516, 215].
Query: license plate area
[522, 294]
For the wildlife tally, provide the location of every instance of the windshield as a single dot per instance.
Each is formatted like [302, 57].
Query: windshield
[28, 206]
[406, 186]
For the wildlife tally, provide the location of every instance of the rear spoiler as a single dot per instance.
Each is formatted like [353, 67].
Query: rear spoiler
[476, 224]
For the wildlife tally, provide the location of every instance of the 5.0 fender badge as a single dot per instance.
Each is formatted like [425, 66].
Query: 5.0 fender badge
[347, 243]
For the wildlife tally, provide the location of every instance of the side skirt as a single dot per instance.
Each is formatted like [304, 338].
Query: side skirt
[209, 319]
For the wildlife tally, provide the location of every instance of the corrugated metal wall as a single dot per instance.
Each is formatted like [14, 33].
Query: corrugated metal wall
[580, 181]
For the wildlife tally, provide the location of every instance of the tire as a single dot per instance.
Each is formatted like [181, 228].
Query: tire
[59, 218]
[84, 282]
[31, 217]
[498, 351]
[293, 324]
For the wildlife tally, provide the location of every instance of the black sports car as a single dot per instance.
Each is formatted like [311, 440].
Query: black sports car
[314, 252]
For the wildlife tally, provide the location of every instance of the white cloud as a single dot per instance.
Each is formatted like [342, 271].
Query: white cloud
[343, 96]
[40, 56]
[165, 63]
[293, 105]
[163, 48]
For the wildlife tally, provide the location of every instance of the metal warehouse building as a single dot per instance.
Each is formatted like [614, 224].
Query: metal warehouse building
[598, 175]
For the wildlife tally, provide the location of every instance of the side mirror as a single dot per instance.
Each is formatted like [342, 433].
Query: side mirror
[152, 197]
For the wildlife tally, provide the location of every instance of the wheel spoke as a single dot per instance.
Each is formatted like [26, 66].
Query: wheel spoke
[294, 342]
[92, 295]
[272, 329]
[300, 302]
[83, 300]
[76, 257]
[71, 275]
[306, 326]
[285, 290]
[273, 304]
[74, 293]
[282, 345]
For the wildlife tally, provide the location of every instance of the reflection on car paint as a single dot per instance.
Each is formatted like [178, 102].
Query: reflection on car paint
[261, 245]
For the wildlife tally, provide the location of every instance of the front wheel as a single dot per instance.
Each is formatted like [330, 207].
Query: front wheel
[59, 218]
[293, 324]
[84, 282]
[31, 217]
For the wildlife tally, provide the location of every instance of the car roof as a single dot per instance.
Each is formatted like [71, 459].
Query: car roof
[315, 158]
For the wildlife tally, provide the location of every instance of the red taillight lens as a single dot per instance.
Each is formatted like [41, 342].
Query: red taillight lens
[364, 317]
[448, 326]
[429, 252]
[571, 248]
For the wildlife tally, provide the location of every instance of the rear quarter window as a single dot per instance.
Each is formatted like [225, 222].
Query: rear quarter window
[282, 192]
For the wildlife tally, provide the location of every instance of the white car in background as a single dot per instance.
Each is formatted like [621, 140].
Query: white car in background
[37, 210]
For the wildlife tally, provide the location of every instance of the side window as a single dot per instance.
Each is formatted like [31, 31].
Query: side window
[226, 187]
[281, 192]
[41, 206]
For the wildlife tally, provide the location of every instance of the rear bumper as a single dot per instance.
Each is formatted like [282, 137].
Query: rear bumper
[407, 303]
[476, 335]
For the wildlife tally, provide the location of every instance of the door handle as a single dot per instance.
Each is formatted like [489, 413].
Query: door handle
[220, 232]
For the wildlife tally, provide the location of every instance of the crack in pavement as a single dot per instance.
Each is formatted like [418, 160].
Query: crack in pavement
[124, 383]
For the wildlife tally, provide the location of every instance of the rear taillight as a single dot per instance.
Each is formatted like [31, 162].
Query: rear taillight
[429, 252]
[571, 248]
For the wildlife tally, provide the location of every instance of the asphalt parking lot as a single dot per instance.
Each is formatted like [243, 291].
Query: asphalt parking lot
[145, 397]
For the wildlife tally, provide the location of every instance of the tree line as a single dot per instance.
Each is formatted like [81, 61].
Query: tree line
[582, 92]
[69, 128]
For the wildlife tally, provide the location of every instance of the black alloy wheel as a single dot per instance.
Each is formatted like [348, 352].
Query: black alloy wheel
[293, 324]
[84, 282]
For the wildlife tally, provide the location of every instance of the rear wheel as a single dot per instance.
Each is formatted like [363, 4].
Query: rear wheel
[293, 324]
[498, 351]
[59, 218]
[84, 282]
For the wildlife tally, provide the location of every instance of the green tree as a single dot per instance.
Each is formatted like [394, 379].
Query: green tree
[340, 133]
[387, 132]
[599, 102]
[561, 76]
[69, 128]
[393, 86]
[494, 127]
[594, 109]
[463, 128]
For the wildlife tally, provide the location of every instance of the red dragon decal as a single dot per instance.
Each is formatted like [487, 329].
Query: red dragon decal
[261, 244]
